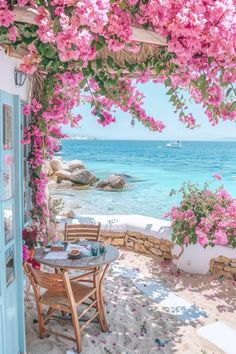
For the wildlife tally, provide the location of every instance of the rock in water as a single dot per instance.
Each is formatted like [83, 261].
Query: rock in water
[56, 165]
[48, 169]
[83, 177]
[75, 165]
[112, 182]
[123, 175]
[62, 175]
[65, 184]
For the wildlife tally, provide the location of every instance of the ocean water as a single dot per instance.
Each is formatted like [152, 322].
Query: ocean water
[154, 170]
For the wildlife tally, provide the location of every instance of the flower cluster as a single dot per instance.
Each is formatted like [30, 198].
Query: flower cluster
[200, 34]
[73, 42]
[29, 235]
[44, 132]
[204, 216]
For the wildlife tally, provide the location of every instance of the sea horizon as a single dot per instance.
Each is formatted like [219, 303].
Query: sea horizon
[164, 140]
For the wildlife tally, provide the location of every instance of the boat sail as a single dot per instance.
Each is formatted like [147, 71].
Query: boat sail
[175, 144]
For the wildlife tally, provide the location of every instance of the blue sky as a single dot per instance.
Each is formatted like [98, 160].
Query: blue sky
[157, 105]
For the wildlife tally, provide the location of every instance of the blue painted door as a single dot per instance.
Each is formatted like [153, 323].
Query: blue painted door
[11, 281]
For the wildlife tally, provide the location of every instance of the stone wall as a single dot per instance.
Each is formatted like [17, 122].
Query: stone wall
[223, 266]
[145, 244]
[139, 242]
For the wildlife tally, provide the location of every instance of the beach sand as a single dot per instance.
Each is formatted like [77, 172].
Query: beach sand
[141, 316]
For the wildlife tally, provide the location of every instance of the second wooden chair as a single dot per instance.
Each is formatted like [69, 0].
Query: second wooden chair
[90, 232]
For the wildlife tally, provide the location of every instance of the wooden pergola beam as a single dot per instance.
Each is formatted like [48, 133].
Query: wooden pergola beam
[27, 15]
[146, 36]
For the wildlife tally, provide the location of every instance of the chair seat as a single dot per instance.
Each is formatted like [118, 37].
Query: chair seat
[56, 298]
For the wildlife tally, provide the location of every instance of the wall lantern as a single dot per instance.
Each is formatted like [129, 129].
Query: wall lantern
[20, 77]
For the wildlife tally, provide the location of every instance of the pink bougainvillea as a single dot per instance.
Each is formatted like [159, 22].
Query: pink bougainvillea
[74, 42]
[204, 217]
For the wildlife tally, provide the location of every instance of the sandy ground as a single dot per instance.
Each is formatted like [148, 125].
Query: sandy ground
[137, 322]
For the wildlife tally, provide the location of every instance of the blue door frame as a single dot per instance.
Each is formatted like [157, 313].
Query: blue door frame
[12, 325]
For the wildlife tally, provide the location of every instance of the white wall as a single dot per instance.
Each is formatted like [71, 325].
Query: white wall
[7, 81]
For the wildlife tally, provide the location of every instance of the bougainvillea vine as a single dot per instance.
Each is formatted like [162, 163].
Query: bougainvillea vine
[67, 41]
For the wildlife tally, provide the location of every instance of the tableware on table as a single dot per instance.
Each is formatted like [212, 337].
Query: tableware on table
[102, 248]
[94, 250]
[74, 254]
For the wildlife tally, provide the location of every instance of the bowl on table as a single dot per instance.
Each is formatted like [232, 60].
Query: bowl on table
[74, 254]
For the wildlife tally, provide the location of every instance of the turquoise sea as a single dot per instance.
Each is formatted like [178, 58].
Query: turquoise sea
[154, 170]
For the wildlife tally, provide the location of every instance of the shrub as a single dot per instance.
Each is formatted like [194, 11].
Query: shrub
[204, 216]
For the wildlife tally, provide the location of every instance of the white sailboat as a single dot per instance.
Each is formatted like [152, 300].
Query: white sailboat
[175, 144]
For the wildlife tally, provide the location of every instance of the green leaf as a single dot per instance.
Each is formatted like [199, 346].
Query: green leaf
[37, 170]
[232, 106]
[167, 82]
[101, 43]
[122, 5]
[158, 68]
[172, 99]
[210, 60]
[28, 40]
[130, 67]
[50, 52]
[228, 91]
[56, 25]
[99, 63]
[170, 91]
[171, 67]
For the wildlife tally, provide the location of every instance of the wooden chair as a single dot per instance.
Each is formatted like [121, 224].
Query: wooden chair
[90, 232]
[64, 295]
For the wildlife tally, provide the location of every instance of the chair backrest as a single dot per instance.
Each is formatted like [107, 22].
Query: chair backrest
[89, 232]
[48, 281]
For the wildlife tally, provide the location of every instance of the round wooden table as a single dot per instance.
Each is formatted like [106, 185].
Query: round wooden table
[98, 263]
[86, 262]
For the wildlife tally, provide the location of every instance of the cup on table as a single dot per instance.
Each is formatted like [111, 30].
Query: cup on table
[94, 250]
[102, 248]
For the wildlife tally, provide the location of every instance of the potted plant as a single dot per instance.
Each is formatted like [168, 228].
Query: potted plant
[203, 225]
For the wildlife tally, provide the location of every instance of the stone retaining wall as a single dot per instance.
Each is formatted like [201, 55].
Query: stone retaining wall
[139, 242]
[145, 244]
[223, 266]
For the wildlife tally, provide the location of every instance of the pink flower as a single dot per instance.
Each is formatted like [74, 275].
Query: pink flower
[25, 253]
[217, 176]
[6, 17]
[220, 238]
[202, 238]
[224, 194]
[27, 109]
[186, 240]
[13, 33]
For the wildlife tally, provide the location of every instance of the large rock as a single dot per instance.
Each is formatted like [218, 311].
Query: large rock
[65, 184]
[62, 175]
[75, 165]
[83, 177]
[48, 169]
[56, 165]
[124, 175]
[112, 182]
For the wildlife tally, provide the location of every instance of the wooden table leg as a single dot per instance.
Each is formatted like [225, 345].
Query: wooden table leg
[101, 297]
